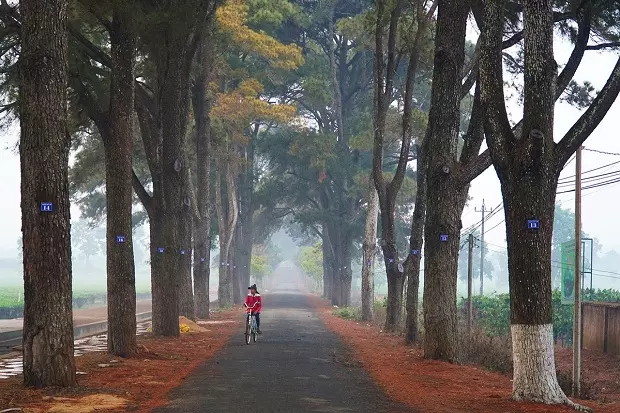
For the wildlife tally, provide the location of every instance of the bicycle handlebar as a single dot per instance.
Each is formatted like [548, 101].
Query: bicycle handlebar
[249, 308]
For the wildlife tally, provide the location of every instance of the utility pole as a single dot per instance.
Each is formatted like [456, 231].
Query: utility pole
[577, 313]
[470, 276]
[484, 211]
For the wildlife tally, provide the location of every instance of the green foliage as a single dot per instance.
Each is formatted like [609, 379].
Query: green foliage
[259, 267]
[348, 313]
[492, 313]
[311, 263]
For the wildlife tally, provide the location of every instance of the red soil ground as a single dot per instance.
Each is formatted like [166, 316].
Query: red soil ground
[136, 384]
[436, 387]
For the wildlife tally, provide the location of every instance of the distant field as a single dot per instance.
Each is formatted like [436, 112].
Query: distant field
[12, 299]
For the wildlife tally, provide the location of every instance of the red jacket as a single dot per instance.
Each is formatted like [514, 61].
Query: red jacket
[254, 300]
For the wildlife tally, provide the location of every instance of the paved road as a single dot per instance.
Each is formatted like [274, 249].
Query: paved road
[297, 366]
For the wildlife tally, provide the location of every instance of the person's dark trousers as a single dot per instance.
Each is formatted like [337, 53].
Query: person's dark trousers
[257, 315]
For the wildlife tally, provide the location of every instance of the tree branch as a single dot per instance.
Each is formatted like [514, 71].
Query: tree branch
[491, 79]
[602, 46]
[99, 118]
[145, 198]
[585, 25]
[476, 166]
[590, 119]
[474, 136]
[89, 47]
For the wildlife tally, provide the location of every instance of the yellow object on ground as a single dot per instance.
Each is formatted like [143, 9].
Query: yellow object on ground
[191, 326]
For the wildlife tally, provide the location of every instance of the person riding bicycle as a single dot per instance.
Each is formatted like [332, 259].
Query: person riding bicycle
[254, 304]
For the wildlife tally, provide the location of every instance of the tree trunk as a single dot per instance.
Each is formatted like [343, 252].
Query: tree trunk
[529, 263]
[412, 264]
[119, 193]
[202, 270]
[327, 264]
[394, 310]
[384, 81]
[174, 185]
[346, 274]
[186, 294]
[395, 278]
[224, 293]
[368, 253]
[528, 167]
[246, 257]
[445, 197]
[234, 268]
[245, 234]
[202, 237]
[164, 284]
[227, 221]
[44, 156]
[337, 266]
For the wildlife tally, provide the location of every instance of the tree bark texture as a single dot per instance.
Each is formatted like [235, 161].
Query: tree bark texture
[234, 268]
[328, 276]
[368, 253]
[227, 219]
[202, 237]
[172, 46]
[119, 193]
[44, 156]
[386, 64]
[445, 199]
[346, 274]
[174, 166]
[186, 294]
[412, 264]
[245, 233]
[528, 171]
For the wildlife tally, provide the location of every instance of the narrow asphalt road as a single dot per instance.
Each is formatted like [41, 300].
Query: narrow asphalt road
[296, 366]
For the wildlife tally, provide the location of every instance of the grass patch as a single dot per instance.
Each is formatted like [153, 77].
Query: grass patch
[348, 313]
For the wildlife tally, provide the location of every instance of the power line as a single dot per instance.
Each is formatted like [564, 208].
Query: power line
[592, 186]
[596, 272]
[592, 178]
[571, 178]
[497, 225]
[597, 185]
[475, 226]
[601, 152]
[596, 181]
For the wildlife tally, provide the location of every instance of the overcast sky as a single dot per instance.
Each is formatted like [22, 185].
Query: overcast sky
[600, 217]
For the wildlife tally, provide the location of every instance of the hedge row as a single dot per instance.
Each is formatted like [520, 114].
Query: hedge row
[492, 313]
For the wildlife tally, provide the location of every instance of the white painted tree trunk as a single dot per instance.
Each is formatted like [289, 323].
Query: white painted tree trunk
[534, 375]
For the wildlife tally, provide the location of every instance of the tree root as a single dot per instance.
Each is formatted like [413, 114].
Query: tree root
[564, 401]
[578, 407]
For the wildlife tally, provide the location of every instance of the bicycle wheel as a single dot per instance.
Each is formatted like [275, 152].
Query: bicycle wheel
[248, 331]
[254, 330]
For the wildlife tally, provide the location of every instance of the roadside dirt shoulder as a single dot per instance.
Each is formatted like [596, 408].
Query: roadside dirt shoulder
[431, 386]
[136, 384]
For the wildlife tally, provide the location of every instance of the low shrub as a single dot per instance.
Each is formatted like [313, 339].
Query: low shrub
[348, 313]
[491, 352]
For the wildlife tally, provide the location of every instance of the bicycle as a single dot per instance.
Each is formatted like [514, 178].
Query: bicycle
[251, 329]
